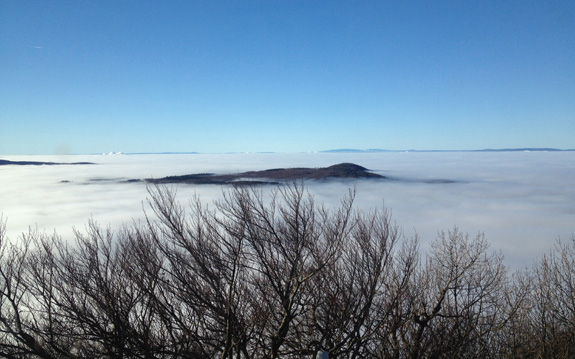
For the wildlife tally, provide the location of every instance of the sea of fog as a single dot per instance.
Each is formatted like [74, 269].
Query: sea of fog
[522, 201]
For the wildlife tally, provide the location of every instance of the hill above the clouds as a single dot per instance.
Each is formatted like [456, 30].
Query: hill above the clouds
[341, 171]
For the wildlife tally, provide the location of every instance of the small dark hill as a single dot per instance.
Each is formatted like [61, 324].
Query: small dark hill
[342, 170]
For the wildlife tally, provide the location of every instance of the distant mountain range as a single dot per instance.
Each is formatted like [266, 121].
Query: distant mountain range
[353, 150]
[527, 149]
[161, 153]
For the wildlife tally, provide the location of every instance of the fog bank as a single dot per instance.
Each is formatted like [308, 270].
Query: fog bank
[522, 201]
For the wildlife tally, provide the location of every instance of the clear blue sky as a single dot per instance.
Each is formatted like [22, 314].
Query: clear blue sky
[288, 76]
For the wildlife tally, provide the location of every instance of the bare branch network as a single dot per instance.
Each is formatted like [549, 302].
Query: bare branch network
[276, 277]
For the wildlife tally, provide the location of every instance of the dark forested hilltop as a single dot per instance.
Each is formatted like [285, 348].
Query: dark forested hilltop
[342, 170]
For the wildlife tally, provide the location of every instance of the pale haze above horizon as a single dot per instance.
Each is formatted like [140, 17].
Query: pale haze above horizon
[81, 77]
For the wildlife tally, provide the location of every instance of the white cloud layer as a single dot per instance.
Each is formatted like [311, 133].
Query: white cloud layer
[522, 201]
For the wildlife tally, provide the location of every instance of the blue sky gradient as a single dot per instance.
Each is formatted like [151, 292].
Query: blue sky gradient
[285, 76]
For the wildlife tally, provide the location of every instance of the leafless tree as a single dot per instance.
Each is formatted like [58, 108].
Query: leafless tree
[516, 338]
[458, 302]
[357, 295]
[269, 274]
[89, 304]
[289, 241]
[245, 269]
[207, 276]
[553, 303]
[395, 305]
[19, 335]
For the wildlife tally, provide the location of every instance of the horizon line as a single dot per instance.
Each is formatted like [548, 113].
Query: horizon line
[339, 150]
